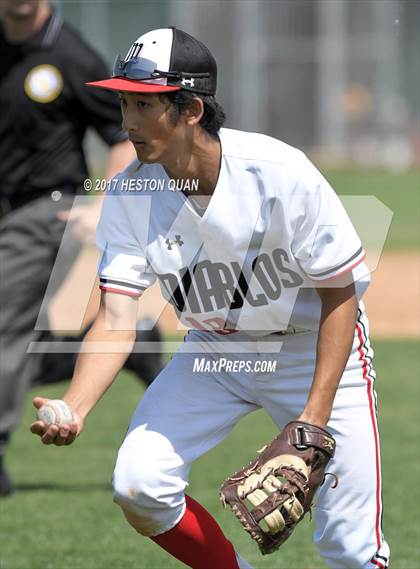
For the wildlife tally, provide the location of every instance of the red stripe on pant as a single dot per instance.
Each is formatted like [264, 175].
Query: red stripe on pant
[362, 358]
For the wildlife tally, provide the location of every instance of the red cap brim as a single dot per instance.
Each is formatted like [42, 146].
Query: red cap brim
[122, 84]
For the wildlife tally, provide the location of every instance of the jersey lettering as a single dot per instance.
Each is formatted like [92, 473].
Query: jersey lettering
[215, 286]
[280, 257]
[266, 275]
[258, 300]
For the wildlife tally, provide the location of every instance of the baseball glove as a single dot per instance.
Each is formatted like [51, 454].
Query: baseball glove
[279, 484]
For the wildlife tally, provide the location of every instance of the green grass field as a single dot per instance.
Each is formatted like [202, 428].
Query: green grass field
[63, 516]
[400, 192]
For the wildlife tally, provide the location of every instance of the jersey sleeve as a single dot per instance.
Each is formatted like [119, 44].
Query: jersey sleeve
[123, 267]
[325, 243]
[100, 108]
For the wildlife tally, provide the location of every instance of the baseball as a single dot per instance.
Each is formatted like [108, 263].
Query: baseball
[55, 412]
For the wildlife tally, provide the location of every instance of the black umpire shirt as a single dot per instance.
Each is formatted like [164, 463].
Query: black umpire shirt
[45, 109]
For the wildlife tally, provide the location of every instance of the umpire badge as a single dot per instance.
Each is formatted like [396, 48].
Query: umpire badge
[43, 83]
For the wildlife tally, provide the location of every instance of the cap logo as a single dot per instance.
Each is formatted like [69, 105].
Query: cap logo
[134, 51]
[189, 82]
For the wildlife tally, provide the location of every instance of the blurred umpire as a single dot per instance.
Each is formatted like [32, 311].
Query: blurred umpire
[45, 110]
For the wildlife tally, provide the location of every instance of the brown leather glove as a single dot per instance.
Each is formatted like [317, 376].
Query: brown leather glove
[272, 493]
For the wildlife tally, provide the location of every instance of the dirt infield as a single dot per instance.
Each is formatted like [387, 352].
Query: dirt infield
[392, 299]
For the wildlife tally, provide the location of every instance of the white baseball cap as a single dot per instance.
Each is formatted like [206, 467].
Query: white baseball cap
[161, 61]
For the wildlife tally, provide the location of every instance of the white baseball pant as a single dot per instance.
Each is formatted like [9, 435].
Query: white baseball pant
[184, 414]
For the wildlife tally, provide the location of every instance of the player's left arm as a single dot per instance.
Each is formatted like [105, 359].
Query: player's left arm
[277, 487]
[335, 339]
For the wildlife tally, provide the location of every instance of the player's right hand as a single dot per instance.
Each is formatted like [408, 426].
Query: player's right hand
[55, 434]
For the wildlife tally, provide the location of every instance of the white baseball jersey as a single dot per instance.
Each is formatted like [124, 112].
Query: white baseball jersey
[273, 230]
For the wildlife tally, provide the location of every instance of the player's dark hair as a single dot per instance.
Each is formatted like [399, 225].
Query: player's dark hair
[213, 116]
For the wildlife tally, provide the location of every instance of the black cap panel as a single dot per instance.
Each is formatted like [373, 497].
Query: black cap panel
[189, 55]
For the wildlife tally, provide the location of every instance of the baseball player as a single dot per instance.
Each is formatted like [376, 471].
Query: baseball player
[263, 265]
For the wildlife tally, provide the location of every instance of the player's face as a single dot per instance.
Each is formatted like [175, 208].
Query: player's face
[147, 120]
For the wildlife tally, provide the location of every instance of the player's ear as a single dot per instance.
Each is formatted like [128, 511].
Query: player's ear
[194, 111]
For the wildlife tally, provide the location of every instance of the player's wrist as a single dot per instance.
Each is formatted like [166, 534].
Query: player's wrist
[320, 419]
